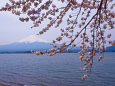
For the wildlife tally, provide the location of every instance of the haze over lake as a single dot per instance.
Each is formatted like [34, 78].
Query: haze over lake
[60, 70]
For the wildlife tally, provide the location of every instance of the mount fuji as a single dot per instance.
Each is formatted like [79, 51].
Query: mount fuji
[31, 42]
[31, 39]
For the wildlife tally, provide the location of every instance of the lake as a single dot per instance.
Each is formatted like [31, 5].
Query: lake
[60, 70]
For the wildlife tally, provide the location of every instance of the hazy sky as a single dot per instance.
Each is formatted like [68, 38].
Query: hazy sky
[12, 30]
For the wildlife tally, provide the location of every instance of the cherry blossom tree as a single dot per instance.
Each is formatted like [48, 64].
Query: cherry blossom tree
[81, 22]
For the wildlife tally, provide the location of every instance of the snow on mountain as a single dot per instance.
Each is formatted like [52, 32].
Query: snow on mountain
[27, 44]
[32, 38]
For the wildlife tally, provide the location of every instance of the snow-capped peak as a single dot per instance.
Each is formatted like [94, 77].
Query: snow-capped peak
[32, 38]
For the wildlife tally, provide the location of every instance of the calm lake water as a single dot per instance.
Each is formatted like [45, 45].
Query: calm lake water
[59, 70]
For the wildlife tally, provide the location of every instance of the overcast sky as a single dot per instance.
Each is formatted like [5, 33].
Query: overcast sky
[12, 30]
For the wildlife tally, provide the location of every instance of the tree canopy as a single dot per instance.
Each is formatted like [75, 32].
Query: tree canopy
[81, 22]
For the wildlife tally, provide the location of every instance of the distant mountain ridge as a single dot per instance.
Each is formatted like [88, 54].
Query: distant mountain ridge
[110, 48]
[32, 42]
[27, 47]
[24, 47]
[35, 43]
